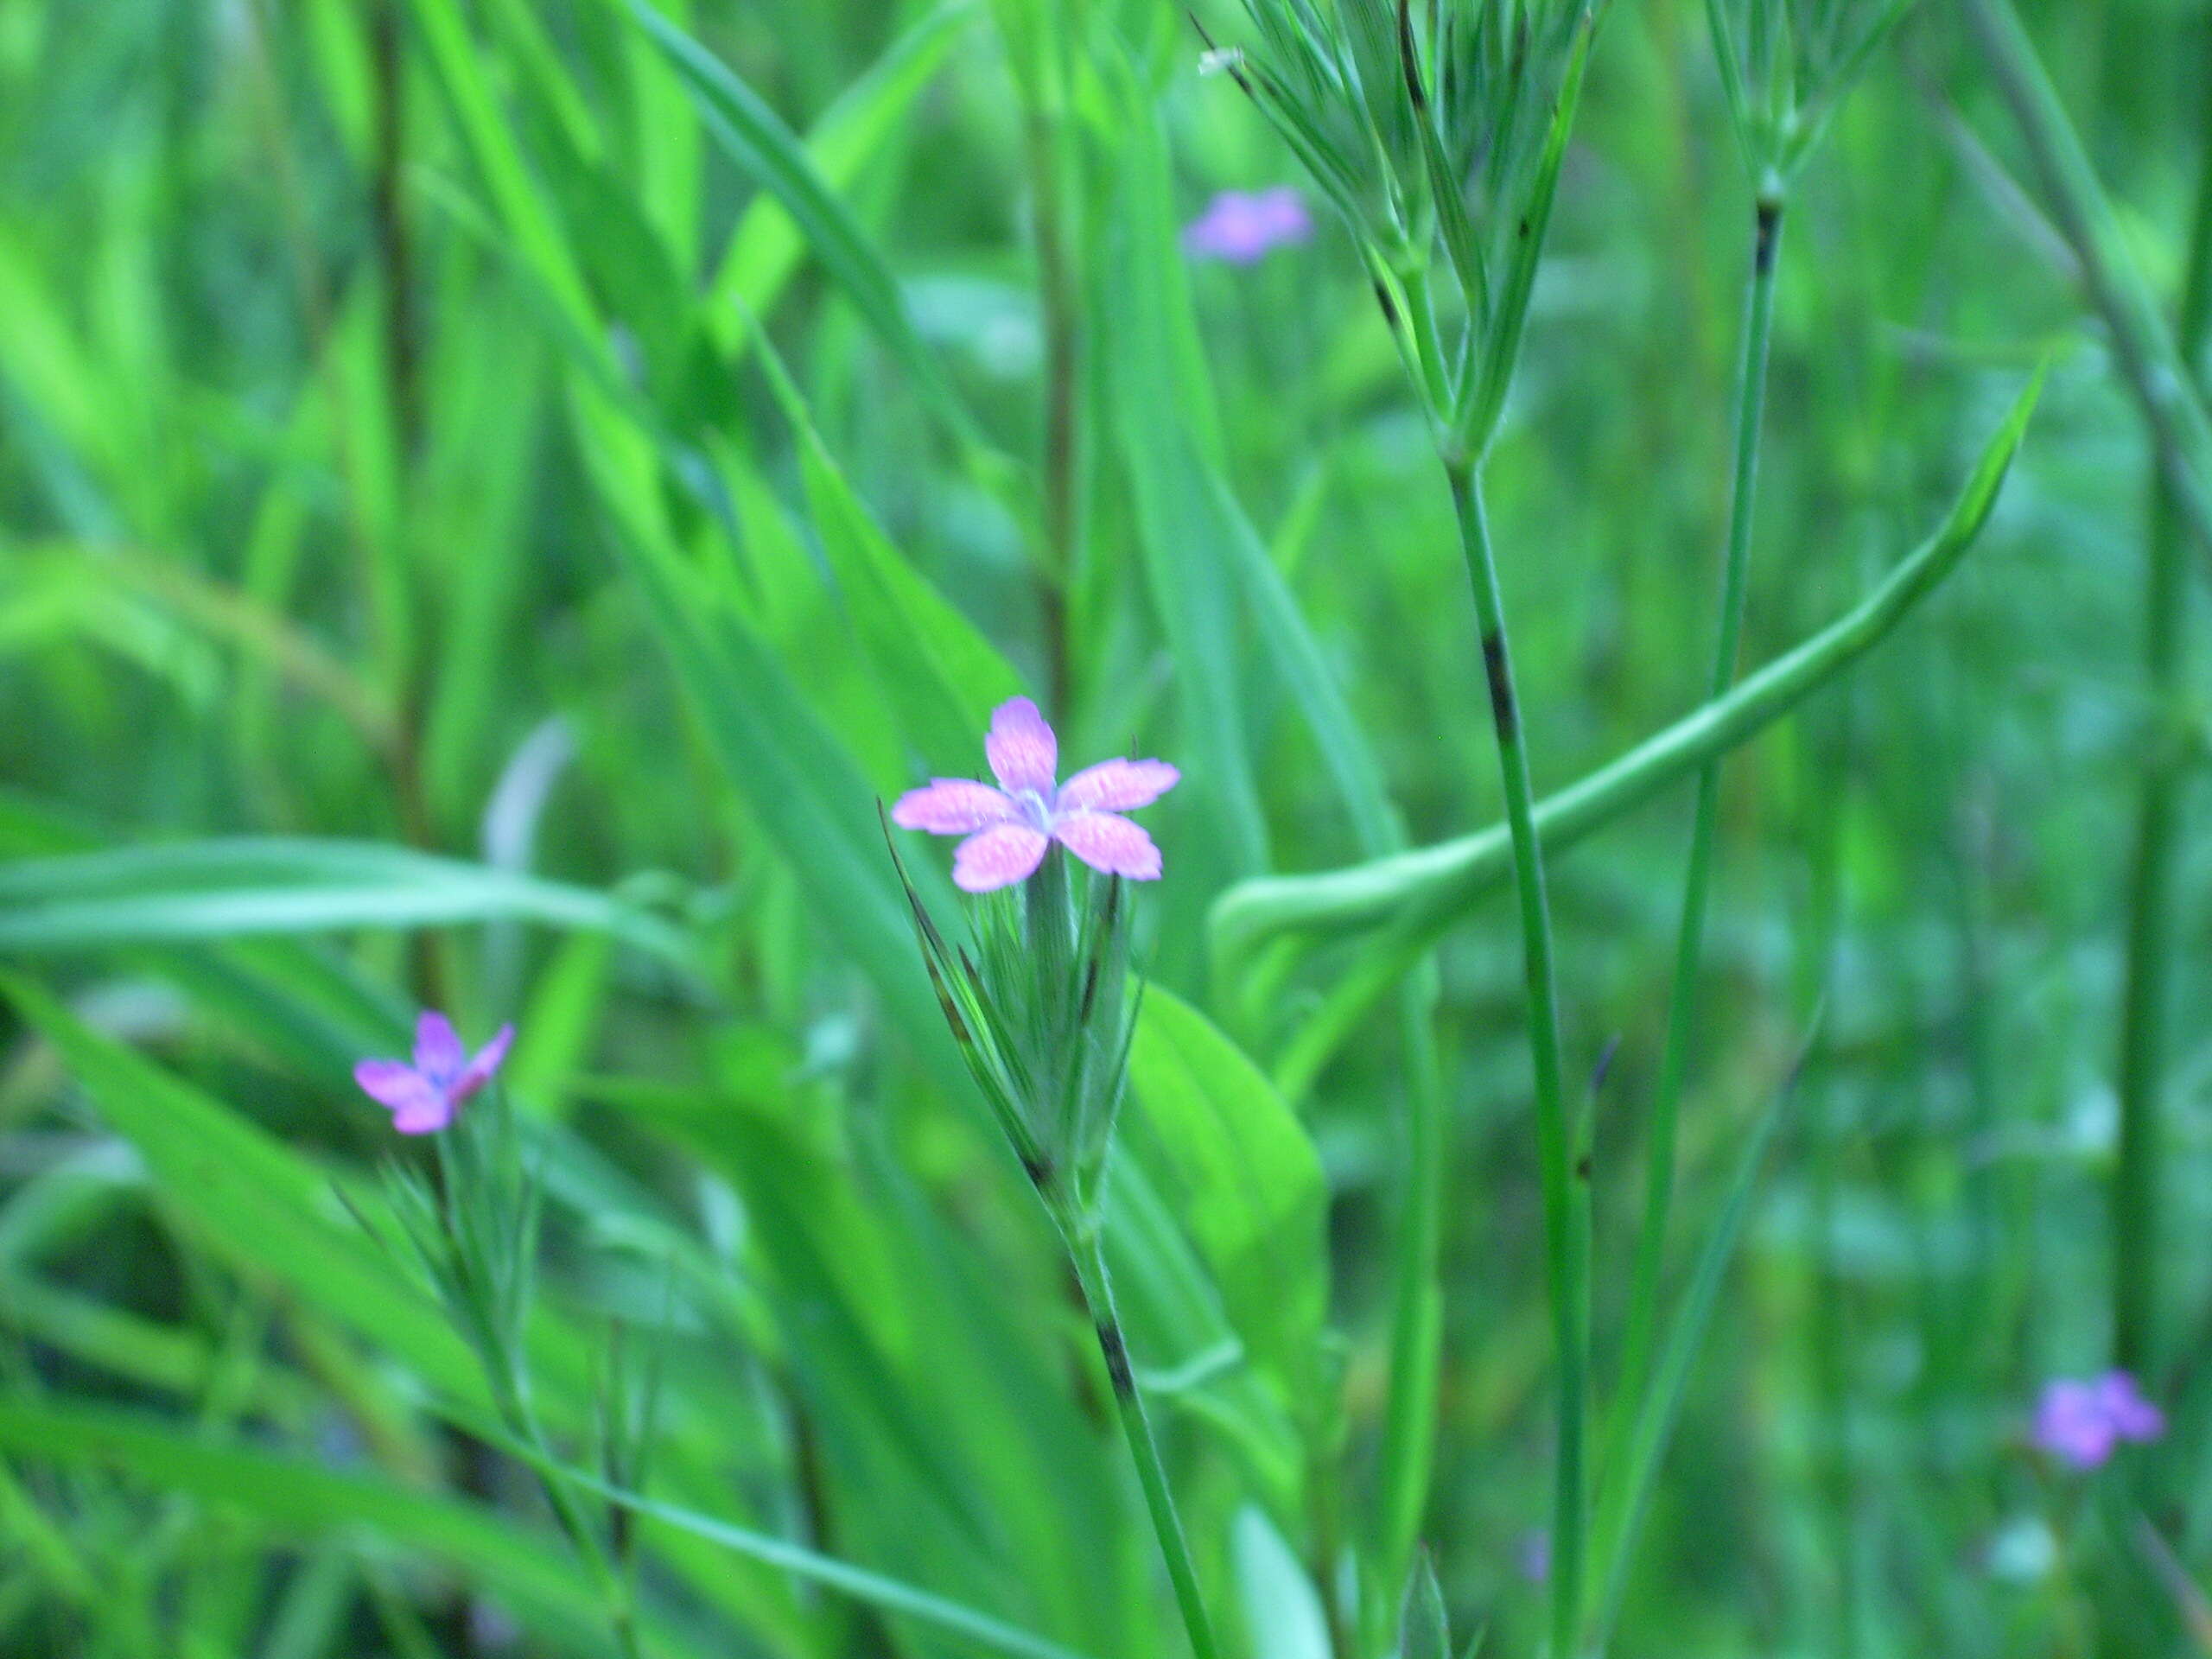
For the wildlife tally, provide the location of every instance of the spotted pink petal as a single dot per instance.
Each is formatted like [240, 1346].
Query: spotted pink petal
[1023, 753]
[1108, 843]
[997, 857]
[953, 806]
[1118, 785]
[482, 1070]
[439, 1055]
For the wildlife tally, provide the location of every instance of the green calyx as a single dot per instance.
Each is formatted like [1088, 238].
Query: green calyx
[1040, 1003]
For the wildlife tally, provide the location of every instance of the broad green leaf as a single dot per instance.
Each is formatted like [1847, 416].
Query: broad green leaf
[534, 233]
[768, 242]
[1189, 1355]
[982, 1630]
[798, 782]
[232, 888]
[1282, 1611]
[1176, 508]
[1240, 1171]
[940, 677]
[753, 136]
[922, 1376]
[532, 1570]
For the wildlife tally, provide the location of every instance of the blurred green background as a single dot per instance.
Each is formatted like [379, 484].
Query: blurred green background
[481, 521]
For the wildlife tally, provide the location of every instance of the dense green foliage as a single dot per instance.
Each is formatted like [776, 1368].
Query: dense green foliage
[495, 495]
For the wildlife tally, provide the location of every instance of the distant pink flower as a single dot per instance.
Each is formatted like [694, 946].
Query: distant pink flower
[1532, 1557]
[2082, 1422]
[1009, 828]
[424, 1097]
[1244, 226]
[2132, 1417]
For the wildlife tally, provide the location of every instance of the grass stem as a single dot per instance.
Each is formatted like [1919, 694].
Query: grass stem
[1089, 1261]
[2144, 350]
[1697, 884]
[1417, 1307]
[1565, 1245]
[2151, 922]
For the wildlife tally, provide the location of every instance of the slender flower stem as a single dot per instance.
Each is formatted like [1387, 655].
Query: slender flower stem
[1089, 1261]
[1566, 1246]
[607, 1578]
[2150, 919]
[487, 1325]
[1689, 943]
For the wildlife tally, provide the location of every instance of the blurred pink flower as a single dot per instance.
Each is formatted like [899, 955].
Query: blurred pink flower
[1532, 1556]
[1009, 828]
[1244, 226]
[424, 1097]
[2082, 1422]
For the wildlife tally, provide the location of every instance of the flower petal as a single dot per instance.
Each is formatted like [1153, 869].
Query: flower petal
[2130, 1416]
[953, 806]
[482, 1070]
[997, 857]
[1023, 753]
[1118, 785]
[424, 1116]
[2072, 1426]
[438, 1053]
[1108, 843]
[391, 1082]
[418, 1106]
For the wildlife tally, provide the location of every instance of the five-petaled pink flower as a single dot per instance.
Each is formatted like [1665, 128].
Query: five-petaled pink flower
[1010, 829]
[2083, 1422]
[424, 1097]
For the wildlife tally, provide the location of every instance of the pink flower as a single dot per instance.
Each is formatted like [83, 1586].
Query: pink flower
[1009, 828]
[424, 1097]
[1244, 227]
[2082, 1422]
[1532, 1556]
[2132, 1416]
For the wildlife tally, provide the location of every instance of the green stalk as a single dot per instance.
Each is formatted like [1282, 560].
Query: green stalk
[1831, 1472]
[1428, 347]
[2143, 348]
[1416, 1316]
[607, 1578]
[1089, 1262]
[1432, 887]
[1417, 1307]
[1689, 943]
[507, 1376]
[1565, 1247]
[2135, 1197]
